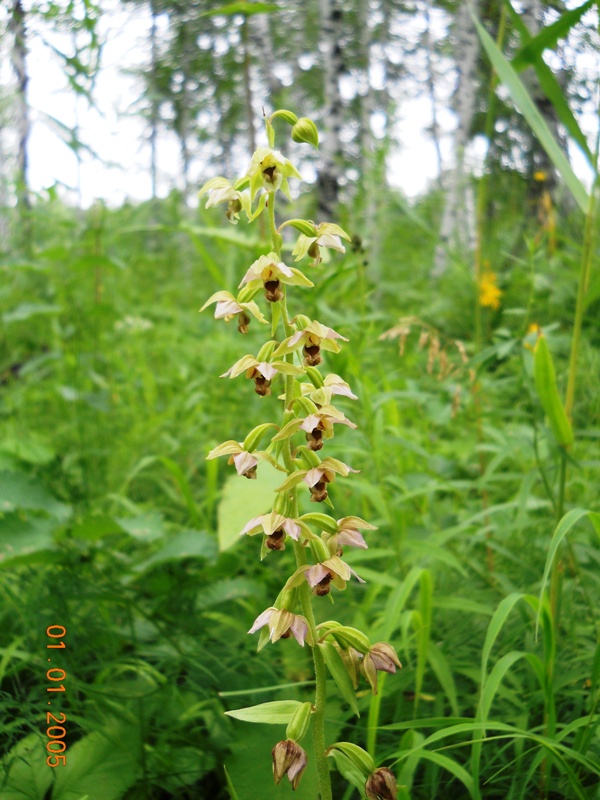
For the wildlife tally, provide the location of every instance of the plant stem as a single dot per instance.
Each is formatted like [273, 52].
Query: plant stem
[318, 718]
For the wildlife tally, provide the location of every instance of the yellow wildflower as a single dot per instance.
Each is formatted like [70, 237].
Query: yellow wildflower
[539, 175]
[489, 293]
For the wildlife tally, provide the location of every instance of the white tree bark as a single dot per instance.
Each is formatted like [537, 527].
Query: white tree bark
[19, 54]
[328, 178]
[457, 231]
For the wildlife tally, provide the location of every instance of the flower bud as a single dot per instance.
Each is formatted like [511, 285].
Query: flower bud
[300, 722]
[381, 785]
[305, 130]
[288, 759]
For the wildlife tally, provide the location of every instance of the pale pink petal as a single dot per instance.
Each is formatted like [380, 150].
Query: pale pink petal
[283, 268]
[315, 574]
[332, 241]
[310, 423]
[244, 461]
[299, 628]
[261, 620]
[352, 538]
[292, 529]
[313, 476]
[267, 370]
[255, 522]
[295, 338]
[226, 308]
[338, 388]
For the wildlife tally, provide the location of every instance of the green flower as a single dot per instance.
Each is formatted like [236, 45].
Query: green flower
[325, 235]
[270, 272]
[269, 170]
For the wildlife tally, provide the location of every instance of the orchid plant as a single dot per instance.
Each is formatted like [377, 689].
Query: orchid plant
[291, 356]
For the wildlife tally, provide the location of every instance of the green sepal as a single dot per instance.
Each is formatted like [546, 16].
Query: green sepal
[323, 521]
[263, 638]
[315, 377]
[299, 723]
[288, 116]
[545, 383]
[346, 636]
[306, 406]
[319, 550]
[288, 369]
[304, 226]
[292, 480]
[241, 184]
[248, 293]
[308, 457]
[292, 427]
[359, 757]
[266, 351]
[252, 440]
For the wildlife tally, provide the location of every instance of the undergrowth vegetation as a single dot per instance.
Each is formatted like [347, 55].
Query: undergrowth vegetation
[115, 526]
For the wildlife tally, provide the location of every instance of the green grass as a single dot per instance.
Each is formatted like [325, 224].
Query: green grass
[110, 400]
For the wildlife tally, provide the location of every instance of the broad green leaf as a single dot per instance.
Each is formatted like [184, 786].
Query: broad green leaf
[27, 775]
[146, 527]
[103, 764]
[536, 122]
[21, 536]
[27, 448]
[277, 712]
[19, 491]
[244, 499]
[339, 673]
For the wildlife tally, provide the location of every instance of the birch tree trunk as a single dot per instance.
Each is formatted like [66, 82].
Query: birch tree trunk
[457, 231]
[153, 99]
[430, 81]
[19, 53]
[328, 177]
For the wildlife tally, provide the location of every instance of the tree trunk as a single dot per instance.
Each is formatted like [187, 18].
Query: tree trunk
[457, 229]
[333, 66]
[430, 81]
[19, 53]
[153, 99]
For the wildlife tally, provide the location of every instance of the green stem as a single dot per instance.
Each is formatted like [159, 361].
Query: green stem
[318, 719]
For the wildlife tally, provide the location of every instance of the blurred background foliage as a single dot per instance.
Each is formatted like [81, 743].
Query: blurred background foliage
[114, 525]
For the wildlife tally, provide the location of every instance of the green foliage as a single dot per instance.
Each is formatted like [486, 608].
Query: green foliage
[109, 405]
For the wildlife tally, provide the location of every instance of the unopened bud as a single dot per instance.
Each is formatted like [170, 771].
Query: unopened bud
[381, 785]
[305, 130]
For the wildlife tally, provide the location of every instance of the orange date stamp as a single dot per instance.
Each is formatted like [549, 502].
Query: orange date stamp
[55, 730]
